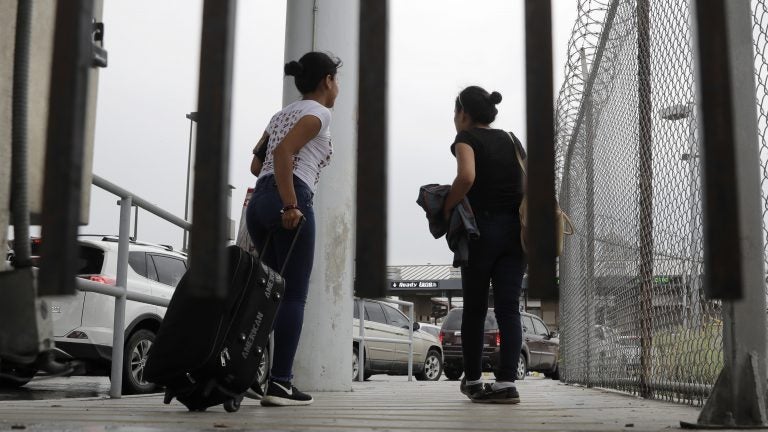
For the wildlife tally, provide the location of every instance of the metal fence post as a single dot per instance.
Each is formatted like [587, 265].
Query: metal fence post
[694, 277]
[733, 254]
[590, 217]
[118, 329]
[645, 186]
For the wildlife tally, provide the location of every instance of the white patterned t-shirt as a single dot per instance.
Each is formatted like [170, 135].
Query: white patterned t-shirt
[315, 155]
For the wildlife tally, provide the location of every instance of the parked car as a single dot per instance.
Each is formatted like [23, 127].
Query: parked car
[618, 355]
[540, 350]
[385, 321]
[83, 322]
[432, 329]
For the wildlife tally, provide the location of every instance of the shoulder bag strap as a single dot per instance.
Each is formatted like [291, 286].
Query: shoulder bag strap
[517, 153]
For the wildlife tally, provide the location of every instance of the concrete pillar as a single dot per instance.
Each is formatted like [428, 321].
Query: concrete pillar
[324, 359]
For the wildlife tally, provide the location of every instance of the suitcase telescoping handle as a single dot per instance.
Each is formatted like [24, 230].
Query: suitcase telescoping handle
[290, 249]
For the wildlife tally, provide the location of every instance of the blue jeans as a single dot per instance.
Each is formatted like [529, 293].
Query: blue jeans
[262, 217]
[495, 257]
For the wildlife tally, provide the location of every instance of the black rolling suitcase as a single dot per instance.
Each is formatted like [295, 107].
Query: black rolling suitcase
[207, 352]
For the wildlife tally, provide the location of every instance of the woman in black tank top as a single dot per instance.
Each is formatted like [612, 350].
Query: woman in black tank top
[489, 175]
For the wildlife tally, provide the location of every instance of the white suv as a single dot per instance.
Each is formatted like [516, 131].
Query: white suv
[83, 323]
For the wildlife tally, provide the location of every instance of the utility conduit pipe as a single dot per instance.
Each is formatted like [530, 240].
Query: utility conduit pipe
[19, 184]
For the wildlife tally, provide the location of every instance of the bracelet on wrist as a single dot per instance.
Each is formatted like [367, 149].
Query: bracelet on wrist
[289, 207]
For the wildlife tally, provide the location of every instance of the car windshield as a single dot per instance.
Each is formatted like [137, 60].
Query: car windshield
[453, 320]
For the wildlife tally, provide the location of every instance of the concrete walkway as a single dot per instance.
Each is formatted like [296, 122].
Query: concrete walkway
[382, 404]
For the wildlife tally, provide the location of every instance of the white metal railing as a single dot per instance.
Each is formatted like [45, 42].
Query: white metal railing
[86, 285]
[361, 338]
[120, 290]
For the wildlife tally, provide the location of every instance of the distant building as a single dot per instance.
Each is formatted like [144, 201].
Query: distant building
[434, 289]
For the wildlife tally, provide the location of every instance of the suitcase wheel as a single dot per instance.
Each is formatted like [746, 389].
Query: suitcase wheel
[168, 397]
[232, 405]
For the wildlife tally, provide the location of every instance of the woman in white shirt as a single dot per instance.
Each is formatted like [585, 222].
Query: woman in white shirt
[288, 160]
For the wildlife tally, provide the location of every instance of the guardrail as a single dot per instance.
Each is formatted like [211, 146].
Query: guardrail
[120, 290]
[361, 338]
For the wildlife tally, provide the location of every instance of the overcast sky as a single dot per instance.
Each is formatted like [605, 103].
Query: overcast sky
[437, 48]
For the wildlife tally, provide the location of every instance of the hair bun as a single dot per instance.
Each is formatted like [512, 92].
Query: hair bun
[293, 68]
[495, 98]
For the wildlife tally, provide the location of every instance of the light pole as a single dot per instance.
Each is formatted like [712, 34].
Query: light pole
[675, 113]
[192, 116]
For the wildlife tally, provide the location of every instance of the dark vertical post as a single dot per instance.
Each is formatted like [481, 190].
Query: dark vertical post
[733, 258]
[62, 186]
[645, 185]
[541, 148]
[209, 213]
[371, 238]
[722, 258]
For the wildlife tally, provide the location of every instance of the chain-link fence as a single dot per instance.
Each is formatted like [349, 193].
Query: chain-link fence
[633, 311]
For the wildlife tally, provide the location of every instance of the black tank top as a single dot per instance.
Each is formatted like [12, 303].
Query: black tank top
[498, 182]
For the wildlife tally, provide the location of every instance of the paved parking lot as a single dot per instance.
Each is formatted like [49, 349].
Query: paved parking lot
[381, 404]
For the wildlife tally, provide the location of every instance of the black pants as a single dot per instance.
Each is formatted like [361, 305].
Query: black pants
[496, 257]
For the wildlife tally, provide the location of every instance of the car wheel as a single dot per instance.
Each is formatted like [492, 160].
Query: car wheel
[134, 361]
[453, 374]
[259, 386]
[355, 364]
[13, 376]
[433, 367]
[522, 367]
[554, 373]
